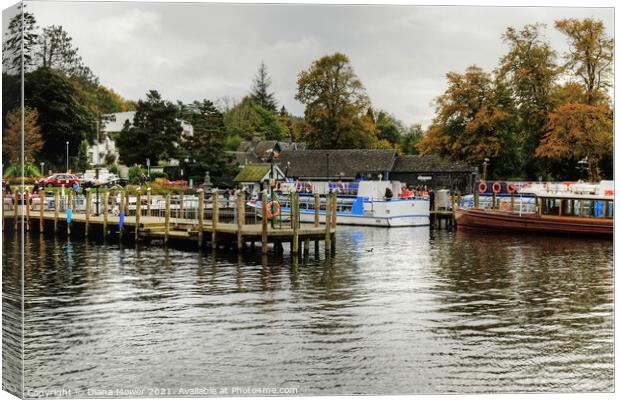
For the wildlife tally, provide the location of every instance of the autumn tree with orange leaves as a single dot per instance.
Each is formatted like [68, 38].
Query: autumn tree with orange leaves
[578, 131]
[582, 128]
[12, 136]
[474, 120]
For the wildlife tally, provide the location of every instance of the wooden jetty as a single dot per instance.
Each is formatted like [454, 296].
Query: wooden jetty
[197, 225]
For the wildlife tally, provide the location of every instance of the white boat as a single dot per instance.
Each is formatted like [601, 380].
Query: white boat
[358, 203]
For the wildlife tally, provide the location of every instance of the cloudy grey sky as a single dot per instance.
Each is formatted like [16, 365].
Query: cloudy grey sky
[195, 51]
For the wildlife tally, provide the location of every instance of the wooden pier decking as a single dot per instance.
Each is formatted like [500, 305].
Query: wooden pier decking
[198, 231]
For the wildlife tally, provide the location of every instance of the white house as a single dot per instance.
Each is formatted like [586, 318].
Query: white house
[114, 123]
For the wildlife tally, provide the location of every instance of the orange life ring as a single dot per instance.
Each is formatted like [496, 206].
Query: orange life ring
[278, 185]
[482, 187]
[341, 187]
[497, 187]
[511, 188]
[308, 187]
[276, 206]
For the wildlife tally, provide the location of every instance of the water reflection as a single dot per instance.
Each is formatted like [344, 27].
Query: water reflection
[393, 311]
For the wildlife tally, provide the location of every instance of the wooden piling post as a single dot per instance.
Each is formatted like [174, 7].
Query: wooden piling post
[476, 199]
[56, 207]
[126, 203]
[15, 208]
[3, 205]
[334, 210]
[106, 196]
[240, 213]
[317, 209]
[181, 205]
[138, 214]
[458, 200]
[512, 202]
[295, 221]
[306, 245]
[214, 218]
[121, 203]
[27, 205]
[41, 210]
[148, 202]
[264, 223]
[328, 206]
[494, 198]
[333, 224]
[201, 216]
[167, 219]
[581, 208]
[87, 213]
[69, 207]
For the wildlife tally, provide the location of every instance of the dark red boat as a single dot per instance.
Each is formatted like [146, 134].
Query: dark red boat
[558, 213]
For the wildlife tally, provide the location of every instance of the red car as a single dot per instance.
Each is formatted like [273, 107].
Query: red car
[179, 182]
[60, 179]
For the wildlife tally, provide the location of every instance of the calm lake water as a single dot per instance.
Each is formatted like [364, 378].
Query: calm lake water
[424, 312]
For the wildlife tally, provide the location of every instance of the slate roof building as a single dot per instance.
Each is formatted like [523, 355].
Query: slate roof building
[435, 172]
[350, 165]
[346, 165]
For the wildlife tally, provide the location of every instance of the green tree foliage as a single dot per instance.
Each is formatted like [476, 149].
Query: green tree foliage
[336, 105]
[389, 129]
[248, 119]
[81, 161]
[260, 90]
[205, 149]
[22, 31]
[474, 120]
[530, 71]
[154, 134]
[411, 138]
[62, 117]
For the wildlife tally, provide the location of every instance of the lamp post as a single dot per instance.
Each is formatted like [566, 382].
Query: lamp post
[583, 166]
[67, 156]
[484, 169]
[42, 168]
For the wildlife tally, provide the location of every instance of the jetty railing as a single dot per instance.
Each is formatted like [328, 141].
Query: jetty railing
[178, 216]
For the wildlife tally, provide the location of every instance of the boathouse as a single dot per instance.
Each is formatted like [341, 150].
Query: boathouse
[350, 165]
[255, 177]
[345, 165]
[434, 172]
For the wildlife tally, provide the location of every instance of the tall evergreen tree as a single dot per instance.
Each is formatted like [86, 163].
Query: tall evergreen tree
[81, 161]
[55, 50]
[154, 134]
[204, 151]
[260, 90]
[22, 30]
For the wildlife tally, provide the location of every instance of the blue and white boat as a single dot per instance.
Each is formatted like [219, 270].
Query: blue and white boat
[358, 203]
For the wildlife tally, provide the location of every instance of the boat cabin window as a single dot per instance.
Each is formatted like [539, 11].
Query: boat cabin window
[589, 208]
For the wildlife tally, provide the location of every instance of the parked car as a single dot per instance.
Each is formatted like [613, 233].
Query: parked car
[60, 179]
[178, 182]
[114, 180]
